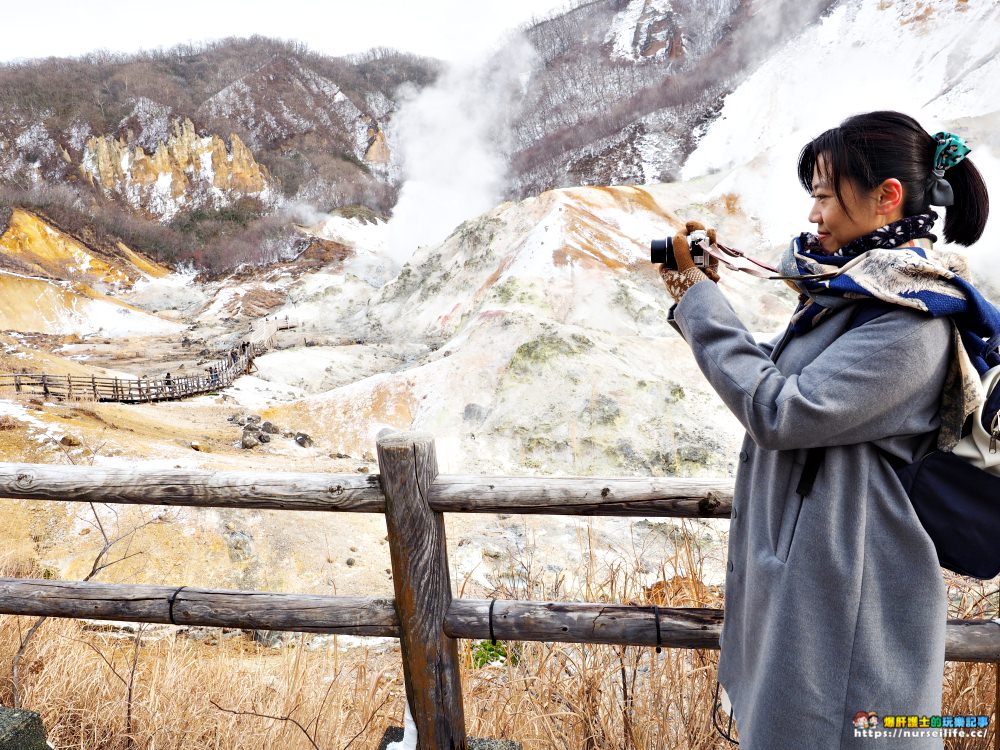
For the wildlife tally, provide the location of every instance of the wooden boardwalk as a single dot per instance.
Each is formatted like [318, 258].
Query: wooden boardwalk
[232, 365]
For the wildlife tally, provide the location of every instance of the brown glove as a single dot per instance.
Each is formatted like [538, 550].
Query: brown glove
[687, 273]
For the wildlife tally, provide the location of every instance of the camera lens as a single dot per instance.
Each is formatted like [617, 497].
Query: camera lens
[658, 250]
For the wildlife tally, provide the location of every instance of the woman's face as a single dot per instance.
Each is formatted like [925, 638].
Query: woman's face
[836, 223]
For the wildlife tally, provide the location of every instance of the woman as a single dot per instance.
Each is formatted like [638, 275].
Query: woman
[835, 602]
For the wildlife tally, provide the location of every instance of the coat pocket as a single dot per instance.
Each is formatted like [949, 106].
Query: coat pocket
[789, 515]
[789, 521]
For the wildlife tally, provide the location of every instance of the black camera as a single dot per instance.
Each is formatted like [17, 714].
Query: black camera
[662, 251]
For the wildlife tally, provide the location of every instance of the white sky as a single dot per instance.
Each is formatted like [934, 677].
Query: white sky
[446, 29]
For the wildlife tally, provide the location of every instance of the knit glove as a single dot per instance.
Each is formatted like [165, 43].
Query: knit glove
[687, 273]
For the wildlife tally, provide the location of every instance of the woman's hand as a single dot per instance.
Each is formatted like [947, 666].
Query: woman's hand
[687, 273]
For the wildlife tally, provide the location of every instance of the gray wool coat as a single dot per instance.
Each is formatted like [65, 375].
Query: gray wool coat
[836, 603]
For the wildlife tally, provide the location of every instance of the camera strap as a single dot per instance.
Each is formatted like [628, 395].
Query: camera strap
[737, 260]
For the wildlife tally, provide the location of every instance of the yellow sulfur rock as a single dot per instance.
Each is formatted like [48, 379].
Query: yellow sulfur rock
[191, 161]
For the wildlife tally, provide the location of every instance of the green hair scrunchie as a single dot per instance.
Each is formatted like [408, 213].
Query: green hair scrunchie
[951, 149]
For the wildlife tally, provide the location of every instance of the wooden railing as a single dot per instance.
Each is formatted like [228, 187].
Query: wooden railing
[423, 614]
[141, 390]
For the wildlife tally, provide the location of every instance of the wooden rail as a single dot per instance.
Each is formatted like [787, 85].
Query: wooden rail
[564, 622]
[581, 496]
[423, 614]
[235, 363]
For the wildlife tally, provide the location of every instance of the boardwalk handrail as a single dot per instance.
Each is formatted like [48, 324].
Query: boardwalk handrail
[423, 614]
[232, 365]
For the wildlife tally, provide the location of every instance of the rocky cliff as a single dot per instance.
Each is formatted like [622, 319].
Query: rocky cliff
[185, 171]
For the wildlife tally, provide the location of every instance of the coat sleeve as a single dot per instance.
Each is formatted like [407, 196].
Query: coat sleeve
[860, 388]
[765, 346]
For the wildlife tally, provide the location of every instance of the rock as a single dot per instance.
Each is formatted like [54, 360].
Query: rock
[302, 439]
[200, 448]
[339, 455]
[269, 428]
[395, 734]
[249, 440]
[253, 419]
[351, 562]
[240, 545]
[263, 437]
[474, 413]
[21, 730]
[270, 638]
[362, 469]
[69, 440]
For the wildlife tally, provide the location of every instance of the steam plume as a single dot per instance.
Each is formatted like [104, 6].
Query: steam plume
[453, 137]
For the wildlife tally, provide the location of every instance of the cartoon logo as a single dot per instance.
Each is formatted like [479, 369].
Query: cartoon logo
[865, 720]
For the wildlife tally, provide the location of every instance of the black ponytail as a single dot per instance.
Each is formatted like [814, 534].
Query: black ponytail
[965, 220]
[876, 146]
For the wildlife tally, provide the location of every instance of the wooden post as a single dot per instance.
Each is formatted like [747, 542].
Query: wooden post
[69, 387]
[17, 383]
[417, 546]
[93, 384]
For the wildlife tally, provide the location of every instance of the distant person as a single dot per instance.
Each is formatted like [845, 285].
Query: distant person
[834, 595]
[168, 382]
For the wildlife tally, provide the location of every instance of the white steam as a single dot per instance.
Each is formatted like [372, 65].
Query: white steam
[453, 139]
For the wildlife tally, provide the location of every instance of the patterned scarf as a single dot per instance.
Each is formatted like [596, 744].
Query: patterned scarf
[897, 264]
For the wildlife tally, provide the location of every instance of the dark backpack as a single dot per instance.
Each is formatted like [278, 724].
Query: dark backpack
[957, 503]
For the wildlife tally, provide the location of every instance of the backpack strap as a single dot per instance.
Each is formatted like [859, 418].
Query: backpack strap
[861, 314]
[814, 459]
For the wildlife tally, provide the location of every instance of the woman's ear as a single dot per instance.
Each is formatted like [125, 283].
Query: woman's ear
[889, 198]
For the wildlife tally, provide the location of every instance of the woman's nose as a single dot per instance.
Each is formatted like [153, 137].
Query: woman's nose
[814, 214]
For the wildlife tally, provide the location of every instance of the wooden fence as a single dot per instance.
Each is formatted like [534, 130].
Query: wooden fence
[423, 615]
[232, 365]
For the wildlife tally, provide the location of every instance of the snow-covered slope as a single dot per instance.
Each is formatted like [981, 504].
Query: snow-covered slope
[626, 86]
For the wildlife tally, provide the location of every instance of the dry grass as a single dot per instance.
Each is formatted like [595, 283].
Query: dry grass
[550, 696]
[184, 692]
